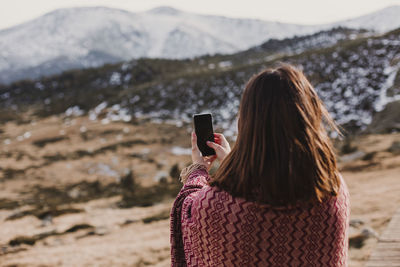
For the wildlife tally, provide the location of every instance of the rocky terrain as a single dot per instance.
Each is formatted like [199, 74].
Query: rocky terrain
[78, 192]
[355, 72]
[66, 180]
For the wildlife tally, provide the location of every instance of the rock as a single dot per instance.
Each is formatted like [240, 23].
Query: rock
[160, 175]
[358, 239]
[47, 220]
[395, 147]
[387, 120]
[369, 232]
[356, 222]
[11, 249]
[98, 231]
[129, 221]
[78, 227]
[352, 156]
[74, 193]
[101, 230]
[348, 147]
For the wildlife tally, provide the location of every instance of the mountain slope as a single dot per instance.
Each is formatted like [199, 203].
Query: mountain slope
[381, 21]
[356, 78]
[73, 34]
[92, 36]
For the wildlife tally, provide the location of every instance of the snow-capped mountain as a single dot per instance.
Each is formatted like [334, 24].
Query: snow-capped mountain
[381, 21]
[92, 36]
[67, 38]
[356, 76]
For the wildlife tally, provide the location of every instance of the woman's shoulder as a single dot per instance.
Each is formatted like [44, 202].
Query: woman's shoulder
[215, 197]
[212, 197]
[211, 194]
[342, 199]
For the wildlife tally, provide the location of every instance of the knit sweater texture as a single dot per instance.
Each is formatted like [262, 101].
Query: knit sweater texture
[210, 227]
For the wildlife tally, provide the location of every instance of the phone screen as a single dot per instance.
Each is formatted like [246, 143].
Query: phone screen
[204, 132]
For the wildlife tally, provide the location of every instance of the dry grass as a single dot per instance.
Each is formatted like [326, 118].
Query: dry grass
[101, 195]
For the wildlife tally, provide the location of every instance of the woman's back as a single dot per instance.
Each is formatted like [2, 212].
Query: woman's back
[221, 230]
[284, 160]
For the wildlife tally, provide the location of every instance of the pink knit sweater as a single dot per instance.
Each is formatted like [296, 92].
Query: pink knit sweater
[209, 227]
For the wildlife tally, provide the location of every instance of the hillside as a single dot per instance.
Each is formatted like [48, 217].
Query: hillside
[92, 36]
[355, 74]
[88, 37]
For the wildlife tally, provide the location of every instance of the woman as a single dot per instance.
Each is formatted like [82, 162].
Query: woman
[277, 198]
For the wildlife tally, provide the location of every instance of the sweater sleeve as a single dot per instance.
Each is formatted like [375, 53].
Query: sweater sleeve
[195, 174]
[194, 177]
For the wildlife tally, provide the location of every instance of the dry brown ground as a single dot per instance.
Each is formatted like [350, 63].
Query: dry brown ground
[122, 237]
[374, 186]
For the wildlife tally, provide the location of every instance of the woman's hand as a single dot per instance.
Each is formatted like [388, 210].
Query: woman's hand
[221, 146]
[197, 157]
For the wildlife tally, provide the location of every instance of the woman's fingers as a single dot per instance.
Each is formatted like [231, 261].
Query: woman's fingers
[220, 137]
[221, 140]
[210, 159]
[221, 147]
[196, 155]
[214, 145]
[221, 150]
[194, 141]
[217, 140]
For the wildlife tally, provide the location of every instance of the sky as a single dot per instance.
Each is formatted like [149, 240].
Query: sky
[14, 12]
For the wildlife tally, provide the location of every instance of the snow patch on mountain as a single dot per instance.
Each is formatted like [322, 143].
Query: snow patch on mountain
[92, 36]
[381, 21]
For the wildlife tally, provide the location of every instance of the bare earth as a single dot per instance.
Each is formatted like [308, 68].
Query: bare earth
[92, 229]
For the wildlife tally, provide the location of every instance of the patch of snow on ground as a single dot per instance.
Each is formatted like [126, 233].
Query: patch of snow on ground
[115, 78]
[179, 151]
[383, 98]
[103, 169]
[75, 111]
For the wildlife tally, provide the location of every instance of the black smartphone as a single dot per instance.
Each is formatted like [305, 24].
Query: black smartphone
[204, 132]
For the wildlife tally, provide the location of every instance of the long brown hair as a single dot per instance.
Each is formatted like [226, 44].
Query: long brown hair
[282, 154]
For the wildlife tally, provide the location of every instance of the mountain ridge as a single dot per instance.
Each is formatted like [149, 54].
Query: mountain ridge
[121, 35]
[356, 76]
